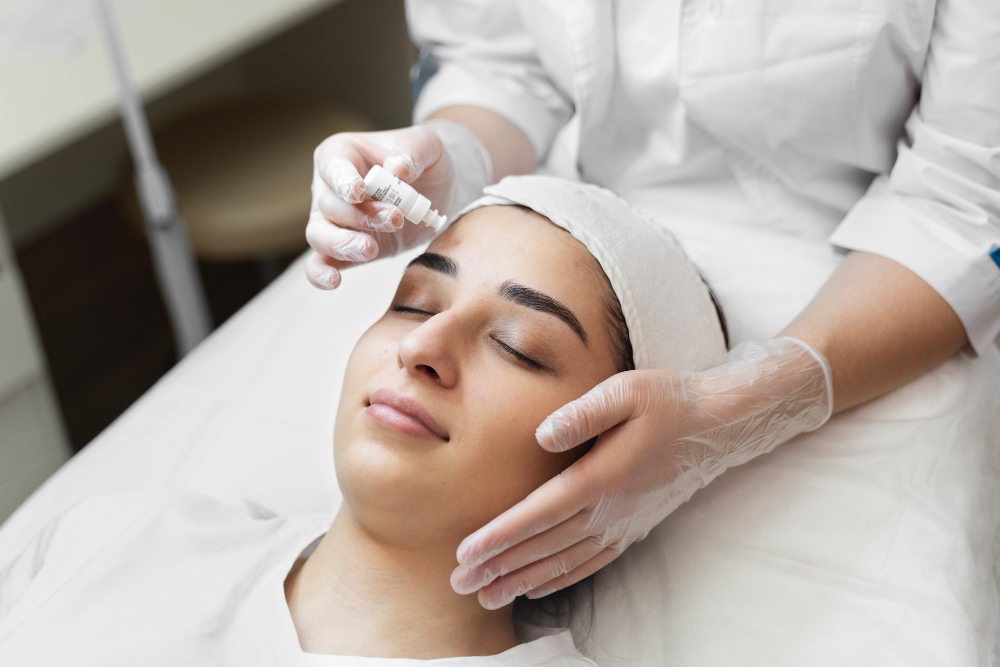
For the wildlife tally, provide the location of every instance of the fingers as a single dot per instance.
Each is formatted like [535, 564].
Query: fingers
[342, 160]
[323, 272]
[549, 505]
[369, 215]
[342, 223]
[339, 163]
[466, 580]
[550, 575]
[338, 243]
[606, 405]
[578, 574]
[503, 591]
[417, 149]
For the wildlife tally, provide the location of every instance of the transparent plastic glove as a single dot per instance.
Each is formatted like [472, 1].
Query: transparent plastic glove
[443, 160]
[665, 434]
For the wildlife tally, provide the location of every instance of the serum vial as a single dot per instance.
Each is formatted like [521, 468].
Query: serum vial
[380, 185]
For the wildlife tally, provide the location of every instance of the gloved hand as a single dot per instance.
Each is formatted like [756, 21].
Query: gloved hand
[443, 160]
[665, 434]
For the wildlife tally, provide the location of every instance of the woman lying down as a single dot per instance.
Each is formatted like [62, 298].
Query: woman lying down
[540, 291]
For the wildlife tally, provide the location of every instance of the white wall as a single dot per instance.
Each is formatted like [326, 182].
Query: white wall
[332, 56]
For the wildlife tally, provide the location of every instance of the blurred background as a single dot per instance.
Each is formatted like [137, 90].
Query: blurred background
[238, 93]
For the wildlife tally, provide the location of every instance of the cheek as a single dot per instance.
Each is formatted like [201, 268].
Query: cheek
[375, 352]
[502, 459]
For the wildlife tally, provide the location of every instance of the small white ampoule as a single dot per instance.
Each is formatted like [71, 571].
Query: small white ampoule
[380, 185]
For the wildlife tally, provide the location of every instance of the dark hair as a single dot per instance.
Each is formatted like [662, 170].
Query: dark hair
[718, 311]
[614, 323]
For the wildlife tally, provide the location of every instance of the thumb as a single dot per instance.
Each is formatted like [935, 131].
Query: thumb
[418, 149]
[606, 405]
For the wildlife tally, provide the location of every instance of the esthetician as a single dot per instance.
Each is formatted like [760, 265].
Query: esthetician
[873, 125]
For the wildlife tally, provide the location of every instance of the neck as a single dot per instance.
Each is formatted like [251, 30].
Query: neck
[359, 596]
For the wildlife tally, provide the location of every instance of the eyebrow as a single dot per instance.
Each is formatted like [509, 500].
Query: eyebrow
[436, 262]
[543, 303]
[519, 294]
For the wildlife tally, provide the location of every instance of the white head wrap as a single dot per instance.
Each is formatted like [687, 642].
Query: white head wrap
[672, 322]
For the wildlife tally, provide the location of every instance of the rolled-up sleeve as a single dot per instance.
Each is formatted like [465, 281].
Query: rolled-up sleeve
[487, 59]
[937, 212]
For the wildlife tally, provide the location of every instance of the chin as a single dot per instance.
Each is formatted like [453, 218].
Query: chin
[384, 477]
[379, 470]
[405, 502]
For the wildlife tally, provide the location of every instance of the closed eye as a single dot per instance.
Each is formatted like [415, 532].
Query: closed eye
[406, 309]
[510, 351]
[520, 357]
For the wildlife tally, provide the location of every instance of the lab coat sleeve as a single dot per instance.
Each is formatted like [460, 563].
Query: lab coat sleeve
[486, 58]
[937, 212]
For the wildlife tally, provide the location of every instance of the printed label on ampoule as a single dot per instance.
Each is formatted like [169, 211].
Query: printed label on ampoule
[388, 194]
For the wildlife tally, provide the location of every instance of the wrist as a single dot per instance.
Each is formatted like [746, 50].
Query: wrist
[472, 164]
[807, 380]
[766, 393]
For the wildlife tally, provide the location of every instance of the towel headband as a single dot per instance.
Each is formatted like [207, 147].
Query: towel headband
[672, 321]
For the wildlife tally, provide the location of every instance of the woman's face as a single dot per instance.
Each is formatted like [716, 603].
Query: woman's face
[500, 323]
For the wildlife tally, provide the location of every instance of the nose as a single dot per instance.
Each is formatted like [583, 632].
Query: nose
[430, 350]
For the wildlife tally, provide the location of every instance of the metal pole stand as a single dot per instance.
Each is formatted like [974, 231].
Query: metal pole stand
[176, 269]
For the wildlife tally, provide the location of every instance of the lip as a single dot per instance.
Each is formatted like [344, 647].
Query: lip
[403, 414]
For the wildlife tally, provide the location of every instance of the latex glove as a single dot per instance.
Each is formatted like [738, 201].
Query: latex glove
[443, 160]
[665, 434]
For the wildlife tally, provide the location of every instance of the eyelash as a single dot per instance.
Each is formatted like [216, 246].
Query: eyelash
[527, 361]
[407, 309]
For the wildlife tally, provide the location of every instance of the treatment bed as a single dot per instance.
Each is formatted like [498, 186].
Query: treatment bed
[872, 541]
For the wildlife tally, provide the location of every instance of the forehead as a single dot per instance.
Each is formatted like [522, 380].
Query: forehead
[517, 243]
[519, 231]
[496, 244]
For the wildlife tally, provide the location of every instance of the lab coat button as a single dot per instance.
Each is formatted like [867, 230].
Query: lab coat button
[713, 10]
[702, 11]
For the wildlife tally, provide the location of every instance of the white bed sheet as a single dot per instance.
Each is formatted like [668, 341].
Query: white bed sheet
[873, 541]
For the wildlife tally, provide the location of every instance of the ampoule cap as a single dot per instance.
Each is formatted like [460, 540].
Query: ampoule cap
[435, 220]
[422, 212]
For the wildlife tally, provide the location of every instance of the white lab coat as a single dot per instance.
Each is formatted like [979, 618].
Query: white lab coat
[875, 124]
